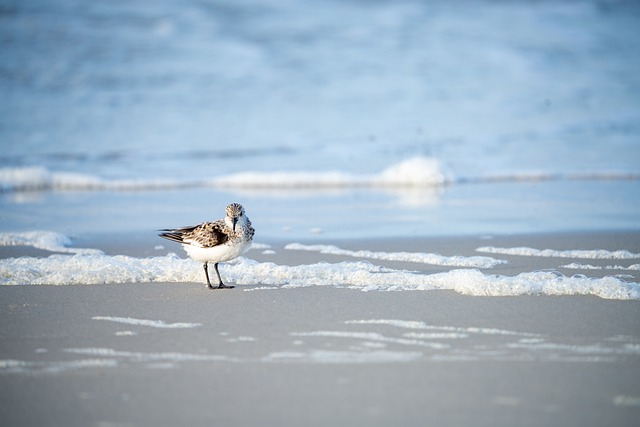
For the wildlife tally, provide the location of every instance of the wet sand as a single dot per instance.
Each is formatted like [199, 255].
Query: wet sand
[167, 354]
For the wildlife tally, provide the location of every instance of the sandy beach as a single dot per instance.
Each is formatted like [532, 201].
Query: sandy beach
[164, 354]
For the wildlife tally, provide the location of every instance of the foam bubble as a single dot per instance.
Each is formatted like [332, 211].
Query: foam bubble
[418, 257]
[579, 266]
[46, 240]
[94, 269]
[550, 253]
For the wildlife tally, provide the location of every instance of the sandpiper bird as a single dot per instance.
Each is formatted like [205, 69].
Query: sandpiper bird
[216, 241]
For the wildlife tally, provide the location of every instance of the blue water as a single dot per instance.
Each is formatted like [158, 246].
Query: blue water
[184, 92]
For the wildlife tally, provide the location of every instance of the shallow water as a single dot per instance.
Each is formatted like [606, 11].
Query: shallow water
[332, 266]
[325, 214]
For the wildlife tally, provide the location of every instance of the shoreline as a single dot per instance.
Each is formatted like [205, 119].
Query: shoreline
[146, 245]
[599, 263]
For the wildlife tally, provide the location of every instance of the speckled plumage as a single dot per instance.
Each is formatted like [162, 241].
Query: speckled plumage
[216, 241]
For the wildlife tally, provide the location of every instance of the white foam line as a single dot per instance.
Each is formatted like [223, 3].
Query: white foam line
[144, 322]
[417, 257]
[371, 336]
[594, 349]
[343, 357]
[578, 266]
[407, 324]
[23, 366]
[435, 335]
[263, 246]
[626, 401]
[100, 357]
[413, 324]
[136, 356]
[45, 240]
[551, 253]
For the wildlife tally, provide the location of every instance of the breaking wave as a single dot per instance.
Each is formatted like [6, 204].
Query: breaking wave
[415, 172]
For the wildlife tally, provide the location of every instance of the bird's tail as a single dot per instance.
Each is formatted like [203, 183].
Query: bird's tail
[173, 235]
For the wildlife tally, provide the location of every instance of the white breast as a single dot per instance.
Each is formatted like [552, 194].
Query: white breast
[219, 253]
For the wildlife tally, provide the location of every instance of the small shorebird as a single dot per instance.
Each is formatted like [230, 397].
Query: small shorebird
[215, 241]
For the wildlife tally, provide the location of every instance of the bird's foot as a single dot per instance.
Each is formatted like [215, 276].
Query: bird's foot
[221, 286]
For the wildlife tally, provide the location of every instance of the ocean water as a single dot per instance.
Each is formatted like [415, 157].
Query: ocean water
[326, 119]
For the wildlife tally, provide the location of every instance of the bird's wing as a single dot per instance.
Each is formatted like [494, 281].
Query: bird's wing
[205, 235]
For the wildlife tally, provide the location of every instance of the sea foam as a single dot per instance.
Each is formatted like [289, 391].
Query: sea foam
[146, 322]
[579, 266]
[46, 240]
[418, 257]
[550, 253]
[102, 269]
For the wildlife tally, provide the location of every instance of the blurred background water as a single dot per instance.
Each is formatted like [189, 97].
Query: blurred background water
[530, 110]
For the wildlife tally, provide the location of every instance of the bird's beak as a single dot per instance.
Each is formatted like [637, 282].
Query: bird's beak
[235, 221]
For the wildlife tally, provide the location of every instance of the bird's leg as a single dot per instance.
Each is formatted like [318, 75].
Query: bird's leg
[206, 273]
[221, 285]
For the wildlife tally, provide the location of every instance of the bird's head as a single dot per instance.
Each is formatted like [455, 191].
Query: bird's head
[235, 212]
